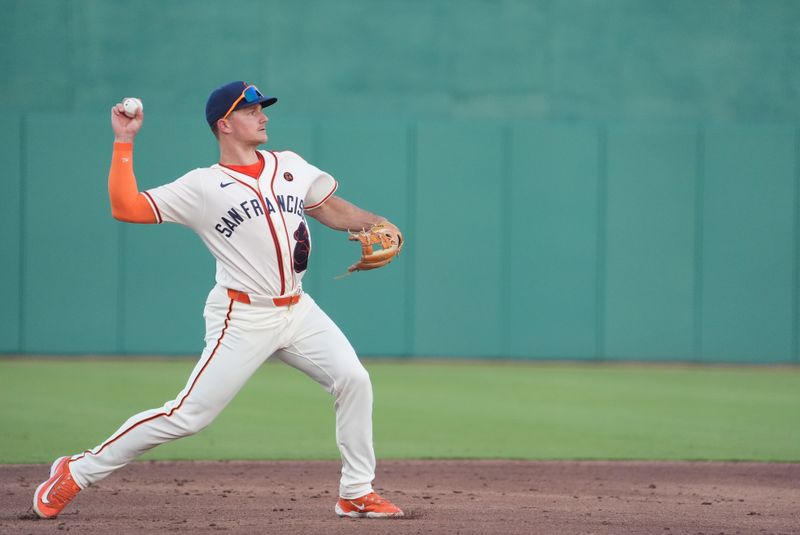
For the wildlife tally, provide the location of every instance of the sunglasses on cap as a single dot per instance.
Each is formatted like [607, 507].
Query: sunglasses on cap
[250, 94]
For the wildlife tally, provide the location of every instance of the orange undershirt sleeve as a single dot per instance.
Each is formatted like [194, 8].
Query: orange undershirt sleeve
[127, 203]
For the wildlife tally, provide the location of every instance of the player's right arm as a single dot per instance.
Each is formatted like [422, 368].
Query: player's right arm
[127, 203]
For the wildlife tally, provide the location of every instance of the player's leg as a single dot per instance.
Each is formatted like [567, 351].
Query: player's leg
[319, 349]
[232, 354]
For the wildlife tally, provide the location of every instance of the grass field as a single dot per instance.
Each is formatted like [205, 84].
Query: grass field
[422, 410]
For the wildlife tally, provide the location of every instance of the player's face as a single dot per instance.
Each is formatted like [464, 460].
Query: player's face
[249, 125]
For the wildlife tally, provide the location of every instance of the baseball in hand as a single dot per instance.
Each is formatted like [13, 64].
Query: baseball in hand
[132, 106]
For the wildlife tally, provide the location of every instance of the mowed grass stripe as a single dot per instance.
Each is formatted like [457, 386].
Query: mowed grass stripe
[441, 409]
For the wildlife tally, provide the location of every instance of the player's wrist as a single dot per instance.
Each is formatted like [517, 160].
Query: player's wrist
[123, 139]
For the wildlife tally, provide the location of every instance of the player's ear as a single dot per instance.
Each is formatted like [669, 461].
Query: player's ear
[223, 126]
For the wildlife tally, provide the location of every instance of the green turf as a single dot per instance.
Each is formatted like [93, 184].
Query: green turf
[422, 410]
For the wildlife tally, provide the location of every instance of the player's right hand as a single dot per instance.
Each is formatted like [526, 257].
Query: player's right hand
[125, 128]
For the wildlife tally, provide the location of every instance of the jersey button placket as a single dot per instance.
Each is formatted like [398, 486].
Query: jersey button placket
[285, 255]
[289, 262]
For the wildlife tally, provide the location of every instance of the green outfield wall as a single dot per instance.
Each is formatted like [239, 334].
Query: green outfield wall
[575, 179]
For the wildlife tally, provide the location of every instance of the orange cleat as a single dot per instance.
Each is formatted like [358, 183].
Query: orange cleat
[55, 493]
[368, 506]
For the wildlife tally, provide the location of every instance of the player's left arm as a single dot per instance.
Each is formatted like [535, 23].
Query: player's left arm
[380, 239]
[340, 214]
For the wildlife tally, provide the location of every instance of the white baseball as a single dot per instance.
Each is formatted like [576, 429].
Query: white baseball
[132, 106]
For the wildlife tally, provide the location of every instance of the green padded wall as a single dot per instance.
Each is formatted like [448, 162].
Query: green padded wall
[461, 208]
[35, 51]
[552, 253]
[71, 278]
[553, 59]
[575, 179]
[650, 233]
[750, 239]
[10, 240]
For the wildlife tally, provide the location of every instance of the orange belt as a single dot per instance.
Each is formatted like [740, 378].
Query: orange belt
[242, 297]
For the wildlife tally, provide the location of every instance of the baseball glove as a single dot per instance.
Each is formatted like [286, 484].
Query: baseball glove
[379, 245]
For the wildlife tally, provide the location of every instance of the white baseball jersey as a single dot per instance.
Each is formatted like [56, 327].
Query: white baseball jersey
[255, 228]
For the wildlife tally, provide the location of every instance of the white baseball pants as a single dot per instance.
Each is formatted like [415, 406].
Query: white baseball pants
[239, 338]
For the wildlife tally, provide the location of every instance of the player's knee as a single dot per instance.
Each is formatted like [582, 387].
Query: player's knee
[191, 422]
[355, 379]
[199, 424]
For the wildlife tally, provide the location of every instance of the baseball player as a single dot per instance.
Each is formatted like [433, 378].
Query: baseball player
[250, 211]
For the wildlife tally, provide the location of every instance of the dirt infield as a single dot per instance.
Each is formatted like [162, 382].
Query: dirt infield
[438, 497]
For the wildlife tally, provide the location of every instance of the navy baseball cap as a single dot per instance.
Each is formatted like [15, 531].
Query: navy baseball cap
[234, 96]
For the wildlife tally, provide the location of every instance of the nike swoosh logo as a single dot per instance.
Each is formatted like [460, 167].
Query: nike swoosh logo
[47, 491]
[225, 184]
[359, 507]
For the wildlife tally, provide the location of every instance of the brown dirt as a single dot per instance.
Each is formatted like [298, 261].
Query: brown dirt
[437, 496]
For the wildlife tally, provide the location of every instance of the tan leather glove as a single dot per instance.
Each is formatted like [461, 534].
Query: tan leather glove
[379, 245]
